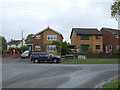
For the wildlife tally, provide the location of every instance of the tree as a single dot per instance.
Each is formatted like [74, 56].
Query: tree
[90, 50]
[115, 9]
[61, 47]
[58, 45]
[64, 48]
[3, 43]
[29, 37]
[23, 48]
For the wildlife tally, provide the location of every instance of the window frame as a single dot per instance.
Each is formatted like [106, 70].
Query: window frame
[97, 37]
[50, 48]
[97, 47]
[37, 48]
[36, 37]
[83, 37]
[51, 37]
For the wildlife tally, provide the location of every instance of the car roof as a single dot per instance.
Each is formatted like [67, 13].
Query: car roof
[38, 52]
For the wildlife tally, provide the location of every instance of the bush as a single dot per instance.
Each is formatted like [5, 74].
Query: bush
[7, 51]
[23, 48]
[19, 49]
[90, 50]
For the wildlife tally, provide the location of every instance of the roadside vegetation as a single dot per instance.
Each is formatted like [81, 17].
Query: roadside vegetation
[92, 60]
[113, 85]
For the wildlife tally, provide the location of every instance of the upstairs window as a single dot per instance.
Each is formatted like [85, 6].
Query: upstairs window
[16, 44]
[97, 37]
[51, 37]
[117, 36]
[84, 37]
[37, 37]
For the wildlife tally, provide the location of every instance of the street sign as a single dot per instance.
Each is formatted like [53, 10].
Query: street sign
[82, 57]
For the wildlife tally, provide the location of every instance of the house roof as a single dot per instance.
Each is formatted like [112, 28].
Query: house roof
[14, 42]
[114, 31]
[29, 42]
[48, 28]
[86, 31]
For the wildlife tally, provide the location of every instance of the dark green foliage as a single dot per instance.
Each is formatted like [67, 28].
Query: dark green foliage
[23, 48]
[115, 9]
[64, 48]
[61, 47]
[29, 37]
[90, 50]
[19, 49]
[3, 43]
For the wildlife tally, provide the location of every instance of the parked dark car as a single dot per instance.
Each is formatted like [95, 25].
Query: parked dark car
[26, 54]
[38, 57]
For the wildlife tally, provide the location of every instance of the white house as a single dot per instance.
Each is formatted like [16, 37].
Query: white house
[119, 22]
[15, 44]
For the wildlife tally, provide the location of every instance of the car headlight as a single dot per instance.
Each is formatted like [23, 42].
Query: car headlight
[58, 56]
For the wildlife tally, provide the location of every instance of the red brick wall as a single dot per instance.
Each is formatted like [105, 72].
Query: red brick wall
[110, 39]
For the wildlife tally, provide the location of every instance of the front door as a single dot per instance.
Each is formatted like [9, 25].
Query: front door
[84, 47]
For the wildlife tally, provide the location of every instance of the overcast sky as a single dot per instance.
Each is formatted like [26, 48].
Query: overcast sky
[32, 16]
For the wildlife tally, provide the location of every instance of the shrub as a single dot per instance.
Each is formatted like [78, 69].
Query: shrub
[23, 48]
[7, 51]
[90, 50]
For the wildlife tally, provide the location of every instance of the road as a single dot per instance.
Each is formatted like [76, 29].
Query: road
[17, 73]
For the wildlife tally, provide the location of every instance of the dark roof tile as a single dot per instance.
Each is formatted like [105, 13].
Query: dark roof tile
[114, 31]
[87, 31]
[15, 42]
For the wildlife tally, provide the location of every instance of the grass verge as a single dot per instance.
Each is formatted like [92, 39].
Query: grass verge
[111, 86]
[92, 60]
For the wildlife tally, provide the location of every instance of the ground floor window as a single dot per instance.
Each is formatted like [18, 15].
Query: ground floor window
[117, 46]
[84, 47]
[51, 48]
[97, 46]
[37, 48]
[109, 47]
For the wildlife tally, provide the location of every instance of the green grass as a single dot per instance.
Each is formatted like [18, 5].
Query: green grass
[111, 85]
[92, 60]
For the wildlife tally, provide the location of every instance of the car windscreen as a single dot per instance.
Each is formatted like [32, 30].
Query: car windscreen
[26, 52]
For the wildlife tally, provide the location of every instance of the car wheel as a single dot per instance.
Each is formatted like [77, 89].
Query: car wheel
[36, 60]
[55, 61]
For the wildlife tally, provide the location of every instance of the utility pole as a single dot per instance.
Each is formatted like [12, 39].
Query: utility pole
[22, 37]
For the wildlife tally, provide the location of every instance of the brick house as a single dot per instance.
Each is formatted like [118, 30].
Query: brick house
[83, 38]
[43, 39]
[111, 39]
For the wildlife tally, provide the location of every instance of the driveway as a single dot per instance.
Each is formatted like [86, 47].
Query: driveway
[19, 73]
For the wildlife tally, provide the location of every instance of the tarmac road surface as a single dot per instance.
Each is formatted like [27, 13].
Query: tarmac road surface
[24, 74]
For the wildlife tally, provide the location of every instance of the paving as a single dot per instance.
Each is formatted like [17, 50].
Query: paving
[18, 73]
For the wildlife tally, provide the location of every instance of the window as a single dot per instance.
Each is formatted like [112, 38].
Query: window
[37, 48]
[97, 37]
[84, 37]
[109, 47]
[117, 36]
[117, 46]
[51, 37]
[97, 46]
[51, 48]
[37, 37]
[84, 47]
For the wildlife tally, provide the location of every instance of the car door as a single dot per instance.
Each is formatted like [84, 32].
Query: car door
[45, 56]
